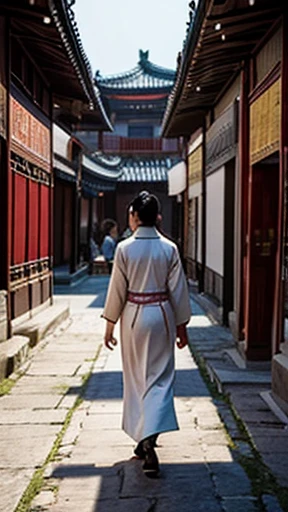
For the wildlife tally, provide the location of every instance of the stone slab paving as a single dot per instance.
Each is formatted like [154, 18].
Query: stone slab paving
[34, 412]
[198, 470]
[94, 470]
[244, 387]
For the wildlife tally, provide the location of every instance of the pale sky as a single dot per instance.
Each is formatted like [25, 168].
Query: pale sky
[113, 31]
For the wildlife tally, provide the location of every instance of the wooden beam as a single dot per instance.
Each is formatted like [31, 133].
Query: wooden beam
[242, 14]
[242, 33]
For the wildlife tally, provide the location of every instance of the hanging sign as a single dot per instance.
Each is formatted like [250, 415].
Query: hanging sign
[265, 123]
[195, 160]
[3, 110]
[29, 137]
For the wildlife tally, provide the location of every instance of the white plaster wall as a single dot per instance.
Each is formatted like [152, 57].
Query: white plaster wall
[215, 221]
[60, 141]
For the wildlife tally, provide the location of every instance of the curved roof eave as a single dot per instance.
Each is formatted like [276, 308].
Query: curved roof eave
[64, 19]
[188, 50]
[210, 62]
[92, 166]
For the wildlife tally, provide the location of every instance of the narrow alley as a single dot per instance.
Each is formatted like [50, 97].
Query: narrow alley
[61, 438]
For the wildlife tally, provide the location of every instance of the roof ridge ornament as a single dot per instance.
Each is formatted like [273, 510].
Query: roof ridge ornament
[143, 56]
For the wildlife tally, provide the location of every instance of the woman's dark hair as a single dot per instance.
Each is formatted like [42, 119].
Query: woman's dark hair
[106, 227]
[147, 206]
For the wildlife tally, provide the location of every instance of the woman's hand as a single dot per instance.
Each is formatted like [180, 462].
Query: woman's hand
[109, 340]
[182, 337]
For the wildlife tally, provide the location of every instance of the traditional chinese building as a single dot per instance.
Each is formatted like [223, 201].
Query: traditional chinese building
[83, 187]
[44, 76]
[136, 103]
[230, 103]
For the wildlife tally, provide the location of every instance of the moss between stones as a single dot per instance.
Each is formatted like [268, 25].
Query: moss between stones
[5, 386]
[262, 479]
[37, 480]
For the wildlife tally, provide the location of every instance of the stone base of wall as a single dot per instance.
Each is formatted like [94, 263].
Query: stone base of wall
[213, 286]
[280, 380]
[3, 316]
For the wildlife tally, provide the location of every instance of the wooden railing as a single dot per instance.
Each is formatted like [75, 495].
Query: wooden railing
[117, 144]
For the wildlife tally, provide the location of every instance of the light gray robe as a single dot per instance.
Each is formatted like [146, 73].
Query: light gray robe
[148, 262]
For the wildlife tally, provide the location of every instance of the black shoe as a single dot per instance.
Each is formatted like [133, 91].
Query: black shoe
[151, 464]
[139, 451]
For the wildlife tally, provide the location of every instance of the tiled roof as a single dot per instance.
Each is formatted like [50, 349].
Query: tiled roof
[145, 170]
[145, 75]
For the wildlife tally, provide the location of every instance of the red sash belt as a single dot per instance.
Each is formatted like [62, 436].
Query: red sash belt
[147, 298]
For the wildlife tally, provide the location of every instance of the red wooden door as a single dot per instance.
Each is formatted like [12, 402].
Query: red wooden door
[260, 289]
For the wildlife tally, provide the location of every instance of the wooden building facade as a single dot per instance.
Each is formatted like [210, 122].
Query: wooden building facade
[232, 85]
[136, 102]
[84, 188]
[40, 56]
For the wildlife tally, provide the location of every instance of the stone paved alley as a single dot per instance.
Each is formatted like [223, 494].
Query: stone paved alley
[90, 466]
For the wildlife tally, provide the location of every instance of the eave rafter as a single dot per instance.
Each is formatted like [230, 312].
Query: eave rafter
[48, 33]
[216, 54]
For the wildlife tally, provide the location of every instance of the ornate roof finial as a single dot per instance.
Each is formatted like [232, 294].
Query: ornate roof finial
[143, 55]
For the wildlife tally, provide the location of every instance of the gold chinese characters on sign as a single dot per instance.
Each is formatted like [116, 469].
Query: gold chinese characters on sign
[3, 111]
[265, 123]
[195, 166]
[30, 137]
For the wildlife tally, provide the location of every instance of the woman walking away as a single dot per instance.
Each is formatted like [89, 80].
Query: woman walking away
[148, 292]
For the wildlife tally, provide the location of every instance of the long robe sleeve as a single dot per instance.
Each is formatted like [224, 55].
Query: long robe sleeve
[117, 290]
[178, 290]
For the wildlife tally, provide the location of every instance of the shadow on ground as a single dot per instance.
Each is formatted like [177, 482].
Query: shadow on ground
[179, 488]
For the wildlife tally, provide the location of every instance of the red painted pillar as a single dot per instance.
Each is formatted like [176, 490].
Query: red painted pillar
[9, 197]
[244, 181]
[282, 250]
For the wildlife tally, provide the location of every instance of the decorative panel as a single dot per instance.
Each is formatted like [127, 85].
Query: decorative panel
[45, 284]
[35, 293]
[19, 219]
[195, 160]
[265, 123]
[44, 220]
[221, 139]
[20, 301]
[29, 137]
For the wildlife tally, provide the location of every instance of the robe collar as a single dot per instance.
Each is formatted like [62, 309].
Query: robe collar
[146, 232]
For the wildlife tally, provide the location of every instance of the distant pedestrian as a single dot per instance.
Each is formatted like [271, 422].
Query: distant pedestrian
[148, 291]
[109, 230]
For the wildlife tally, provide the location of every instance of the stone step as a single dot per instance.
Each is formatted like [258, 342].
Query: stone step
[13, 354]
[37, 327]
